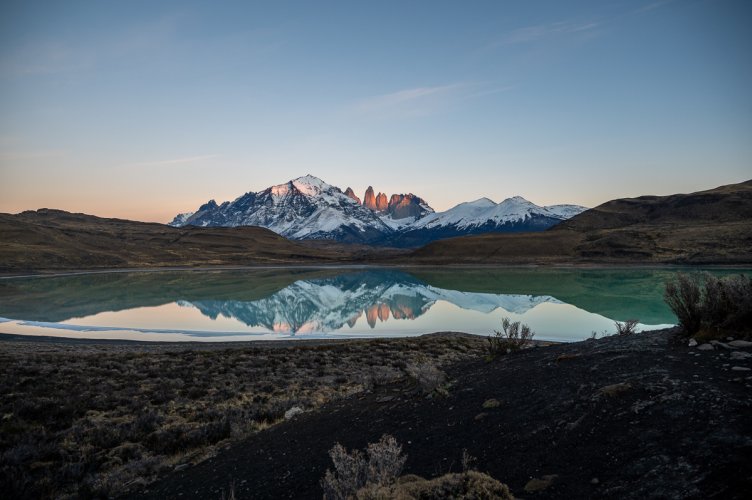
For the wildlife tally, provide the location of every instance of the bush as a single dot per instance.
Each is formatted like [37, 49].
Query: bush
[514, 336]
[711, 306]
[470, 484]
[626, 328]
[378, 467]
[682, 294]
[429, 377]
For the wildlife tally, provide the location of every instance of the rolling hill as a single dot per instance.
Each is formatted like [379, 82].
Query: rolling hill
[706, 227]
[54, 239]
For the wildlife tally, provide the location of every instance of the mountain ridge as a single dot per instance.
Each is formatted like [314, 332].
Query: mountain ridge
[706, 227]
[309, 208]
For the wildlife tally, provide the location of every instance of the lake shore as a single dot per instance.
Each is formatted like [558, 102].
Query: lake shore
[643, 414]
[376, 265]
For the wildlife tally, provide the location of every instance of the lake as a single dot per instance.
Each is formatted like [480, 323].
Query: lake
[304, 303]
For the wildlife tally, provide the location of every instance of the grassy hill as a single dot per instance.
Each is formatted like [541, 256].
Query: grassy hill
[707, 227]
[54, 239]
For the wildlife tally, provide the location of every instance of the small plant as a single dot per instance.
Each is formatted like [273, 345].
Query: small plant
[379, 466]
[626, 328]
[512, 337]
[467, 461]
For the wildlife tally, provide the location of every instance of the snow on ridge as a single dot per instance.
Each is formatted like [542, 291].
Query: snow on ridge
[308, 207]
[565, 211]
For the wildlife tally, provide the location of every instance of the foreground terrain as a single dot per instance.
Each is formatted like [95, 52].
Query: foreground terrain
[630, 417]
[97, 418]
[637, 416]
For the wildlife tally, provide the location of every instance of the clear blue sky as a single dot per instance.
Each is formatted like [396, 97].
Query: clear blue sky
[143, 109]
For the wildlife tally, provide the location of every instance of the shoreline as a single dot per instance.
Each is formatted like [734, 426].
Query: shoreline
[240, 344]
[44, 273]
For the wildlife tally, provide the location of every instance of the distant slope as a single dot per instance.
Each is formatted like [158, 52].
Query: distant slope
[54, 239]
[707, 227]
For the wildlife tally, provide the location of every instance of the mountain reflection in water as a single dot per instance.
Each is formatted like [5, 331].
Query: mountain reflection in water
[328, 304]
[564, 304]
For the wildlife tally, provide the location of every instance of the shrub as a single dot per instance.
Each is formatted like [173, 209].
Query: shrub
[711, 306]
[379, 466]
[429, 377]
[470, 484]
[514, 336]
[682, 294]
[626, 328]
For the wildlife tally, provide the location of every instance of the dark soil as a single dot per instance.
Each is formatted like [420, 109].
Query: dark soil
[640, 416]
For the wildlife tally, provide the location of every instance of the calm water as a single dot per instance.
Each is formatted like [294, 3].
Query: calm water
[312, 303]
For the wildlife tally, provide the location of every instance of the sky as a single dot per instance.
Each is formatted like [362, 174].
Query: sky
[144, 109]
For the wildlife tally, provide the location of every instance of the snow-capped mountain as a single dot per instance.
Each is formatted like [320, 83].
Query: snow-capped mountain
[514, 214]
[309, 208]
[303, 208]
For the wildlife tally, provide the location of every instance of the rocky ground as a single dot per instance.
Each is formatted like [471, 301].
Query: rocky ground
[640, 416]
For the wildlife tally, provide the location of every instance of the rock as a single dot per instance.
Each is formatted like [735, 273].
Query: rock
[351, 194]
[740, 343]
[381, 202]
[692, 343]
[721, 344]
[705, 347]
[369, 199]
[295, 410]
[491, 403]
[740, 369]
[540, 484]
[740, 355]
[614, 389]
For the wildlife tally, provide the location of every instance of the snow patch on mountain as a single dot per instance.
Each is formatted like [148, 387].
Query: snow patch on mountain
[565, 211]
[309, 208]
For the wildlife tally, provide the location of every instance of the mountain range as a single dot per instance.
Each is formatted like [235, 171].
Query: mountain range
[309, 208]
[706, 227]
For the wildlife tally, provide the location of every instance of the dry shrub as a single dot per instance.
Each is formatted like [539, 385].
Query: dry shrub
[429, 378]
[709, 305]
[682, 294]
[378, 467]
[470, 484]
[626, 328]
[514, 336]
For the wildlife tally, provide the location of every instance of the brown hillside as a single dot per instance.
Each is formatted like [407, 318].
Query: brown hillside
[54, 239]
[707, 227]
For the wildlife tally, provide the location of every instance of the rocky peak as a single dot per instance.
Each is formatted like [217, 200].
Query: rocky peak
[405, 205]
[351, 194]
[209, 205]
[382, 205]
[369, 200]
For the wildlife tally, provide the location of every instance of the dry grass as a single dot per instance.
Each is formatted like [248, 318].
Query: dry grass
[101, 420]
